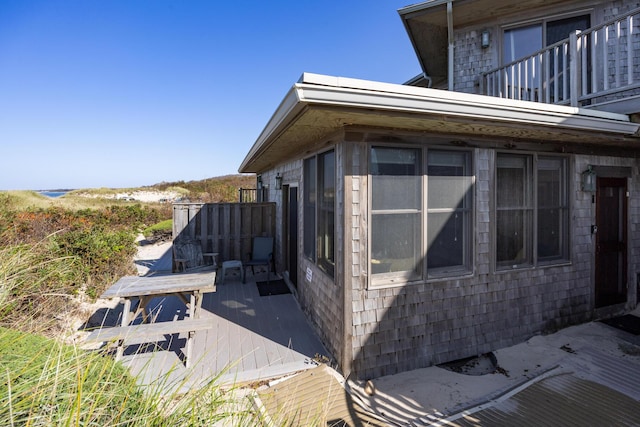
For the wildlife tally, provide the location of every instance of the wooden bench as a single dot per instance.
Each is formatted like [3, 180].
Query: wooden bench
[148, 331]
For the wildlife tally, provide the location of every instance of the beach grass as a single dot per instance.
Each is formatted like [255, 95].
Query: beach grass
[48, 382]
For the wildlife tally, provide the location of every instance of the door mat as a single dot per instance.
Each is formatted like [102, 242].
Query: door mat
[628, 323]
[273, 287]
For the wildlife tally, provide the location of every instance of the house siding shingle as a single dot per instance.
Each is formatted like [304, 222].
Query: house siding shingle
[319, 298]
[375, 329]
[421, 324]
[471, 60]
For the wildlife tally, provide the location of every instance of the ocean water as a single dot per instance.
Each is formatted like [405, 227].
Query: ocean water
[53, 193]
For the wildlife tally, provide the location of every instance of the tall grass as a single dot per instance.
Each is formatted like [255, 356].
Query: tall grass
[44, 382]
[33, 285]
[47, 383]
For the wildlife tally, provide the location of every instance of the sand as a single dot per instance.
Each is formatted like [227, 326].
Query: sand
[436, 391]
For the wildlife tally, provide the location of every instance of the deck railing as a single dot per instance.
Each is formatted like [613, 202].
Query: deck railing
[589, 68]
[247, 195]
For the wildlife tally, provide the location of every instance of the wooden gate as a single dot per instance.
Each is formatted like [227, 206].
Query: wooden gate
[223, 228]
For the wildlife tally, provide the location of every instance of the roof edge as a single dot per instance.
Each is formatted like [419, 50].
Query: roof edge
[332, 91]
[346, 84]
[418, 7]
[283, 114]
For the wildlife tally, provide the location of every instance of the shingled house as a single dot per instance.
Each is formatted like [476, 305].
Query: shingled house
[493, 197]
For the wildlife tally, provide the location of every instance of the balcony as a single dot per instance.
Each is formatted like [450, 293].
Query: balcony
[597, 68]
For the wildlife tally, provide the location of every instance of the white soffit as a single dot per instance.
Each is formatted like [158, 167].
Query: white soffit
[372, 98]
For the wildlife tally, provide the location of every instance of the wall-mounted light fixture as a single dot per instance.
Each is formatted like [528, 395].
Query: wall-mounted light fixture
[589, 180]
[259, 182]
[278, 182]
[485, 40]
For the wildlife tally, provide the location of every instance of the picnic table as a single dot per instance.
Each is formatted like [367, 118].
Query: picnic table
[189, 287]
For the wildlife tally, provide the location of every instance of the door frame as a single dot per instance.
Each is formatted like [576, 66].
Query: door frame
[290, 231]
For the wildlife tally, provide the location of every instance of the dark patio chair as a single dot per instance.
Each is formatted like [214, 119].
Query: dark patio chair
[261, 254]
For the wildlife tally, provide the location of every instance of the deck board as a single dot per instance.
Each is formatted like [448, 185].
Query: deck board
[252, 338]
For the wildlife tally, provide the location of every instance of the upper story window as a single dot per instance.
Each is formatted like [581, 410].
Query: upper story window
[532, 210]
[522, 41]
[421, 208]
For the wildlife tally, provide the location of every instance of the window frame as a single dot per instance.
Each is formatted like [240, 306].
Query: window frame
[533, 76]
[322, 255]
[542, 21]
[326, 214]
[425, 273]
[564, 219]
[309, 172]
[533, 258]
[418, 210]
[467, 212]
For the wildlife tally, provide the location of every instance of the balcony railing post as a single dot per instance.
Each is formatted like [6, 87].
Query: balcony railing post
[587, 69]
[574, 63]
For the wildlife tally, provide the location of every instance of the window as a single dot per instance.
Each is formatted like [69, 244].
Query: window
[396, 189]
[553, 210]
[518, 215]
[449, 211]
[326, 211]
[523, 41]
[319, 210]
[514, 211]
[398, 212]
[520, 42]
[310, 208]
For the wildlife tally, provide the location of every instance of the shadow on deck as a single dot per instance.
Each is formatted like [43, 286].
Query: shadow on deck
[252, 338]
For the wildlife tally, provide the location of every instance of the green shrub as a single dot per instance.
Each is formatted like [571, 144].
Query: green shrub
[159, 231]
[102, 255]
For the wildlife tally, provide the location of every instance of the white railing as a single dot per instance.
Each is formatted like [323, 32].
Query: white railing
[588, 68]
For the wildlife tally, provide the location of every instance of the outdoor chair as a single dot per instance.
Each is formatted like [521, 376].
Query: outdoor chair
[187, 255]
[261, 254]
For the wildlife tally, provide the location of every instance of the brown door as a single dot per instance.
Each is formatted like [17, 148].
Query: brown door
[611, 242]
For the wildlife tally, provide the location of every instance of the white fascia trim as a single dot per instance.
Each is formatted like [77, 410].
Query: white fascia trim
[345, 92]
[365, 94]
[286, 111]
[421, 6]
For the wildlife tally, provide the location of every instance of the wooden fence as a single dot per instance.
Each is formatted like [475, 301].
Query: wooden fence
[223, 228]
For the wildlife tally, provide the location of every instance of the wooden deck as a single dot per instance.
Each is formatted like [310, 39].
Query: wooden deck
[252, 338]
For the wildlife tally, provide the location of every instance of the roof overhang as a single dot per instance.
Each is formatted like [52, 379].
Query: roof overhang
[318, 106]
[429, 27]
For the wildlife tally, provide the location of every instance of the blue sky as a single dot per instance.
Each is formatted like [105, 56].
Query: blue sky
[126, 93]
